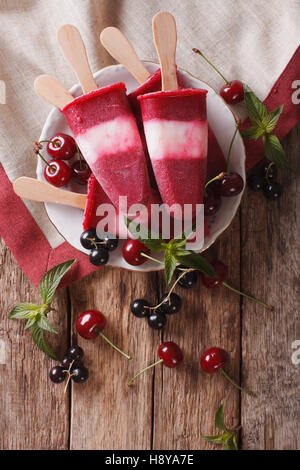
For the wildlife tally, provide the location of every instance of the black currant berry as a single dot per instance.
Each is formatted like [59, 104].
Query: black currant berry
[171, 305]
[99, 256]
[256, 182]
[88, 239]
[157, 320]
[188, 280]
[75, 353]
[110, 244]
[138, 309]
[272, 190]
[57, 374]
[270, 171]
[67, 361]
[80, 374]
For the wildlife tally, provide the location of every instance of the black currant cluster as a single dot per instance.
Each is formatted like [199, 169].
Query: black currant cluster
[265, 181]
[100, 248]
[71, 367]
[169, 304]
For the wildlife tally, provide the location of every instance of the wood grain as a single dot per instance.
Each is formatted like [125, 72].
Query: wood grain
[106, 413]
[34, 412]
[270, 269]
[186, 399]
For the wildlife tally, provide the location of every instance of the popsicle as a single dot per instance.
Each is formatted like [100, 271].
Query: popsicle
[122, 50]
[175, 126]
[105, 129]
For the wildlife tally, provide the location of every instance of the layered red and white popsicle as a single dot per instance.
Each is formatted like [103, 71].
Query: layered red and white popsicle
[176, 130]
[106, 132]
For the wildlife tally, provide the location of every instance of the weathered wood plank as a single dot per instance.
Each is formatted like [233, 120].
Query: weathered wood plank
[33, 410]
[270, 262]
[186, 399]
[106, 413]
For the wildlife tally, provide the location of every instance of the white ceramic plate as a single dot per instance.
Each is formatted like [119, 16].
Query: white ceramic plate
[68, 220]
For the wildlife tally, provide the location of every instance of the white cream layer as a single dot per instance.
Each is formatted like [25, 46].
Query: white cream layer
[176, 139]
[117, 136]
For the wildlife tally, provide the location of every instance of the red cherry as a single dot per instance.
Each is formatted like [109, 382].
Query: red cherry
[170, 353]
[62, 147]
[57, 173]
[90, 324]
[222, 272]
[81, 172]
[232, 92]
[232, 184]
[132, 252]
[214, 359]
[212, 202]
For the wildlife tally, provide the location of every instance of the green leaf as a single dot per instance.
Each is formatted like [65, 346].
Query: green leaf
[274, 151]
[219, 419]
[273, 119]
[257, 111]
[192, 260]
[50, 281]
[253, 132]
[218, 439]
[151, 240]
[46, 325]
[38, 338]
[30, 322]
[170, 265]
[229, 442]
[24, 310]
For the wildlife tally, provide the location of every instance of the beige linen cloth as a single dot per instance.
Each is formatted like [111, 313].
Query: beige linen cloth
[251, 40]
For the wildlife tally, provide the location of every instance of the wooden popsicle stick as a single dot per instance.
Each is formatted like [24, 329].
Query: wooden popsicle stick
[73, 48]
[114, 41]
[52, 91]
[165, 39]
[35, 190]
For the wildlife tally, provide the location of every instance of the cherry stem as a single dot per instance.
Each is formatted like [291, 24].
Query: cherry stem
[69, 376]
[150, 257]
[212, 65]
[268, 169]
[55, 142]
[80, 156]
[45, 161]
[230, 146]
[235, 384]
[268, 307]
[113, 345]
[216, 178]
[144, 370]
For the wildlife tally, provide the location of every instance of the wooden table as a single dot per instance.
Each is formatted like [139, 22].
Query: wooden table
[168, 409]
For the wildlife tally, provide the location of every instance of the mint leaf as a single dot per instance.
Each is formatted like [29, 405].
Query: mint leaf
[192, 260]
[50, 281]
[253, 132]
[257, 111]
[274, 151]
[38, 338]
[46, 325]
[24, 310]
[219, 419]
[170, 265]
[217, 439]
[273, 119]
[30, 322]
[151, 240]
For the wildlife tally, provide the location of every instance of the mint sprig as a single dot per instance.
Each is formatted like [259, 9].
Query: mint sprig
[263, 124]
[175, 252]
[36, 315]
[227, 439]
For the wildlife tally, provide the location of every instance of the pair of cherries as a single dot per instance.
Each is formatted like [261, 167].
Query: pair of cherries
[227, 185]
[91, 323]
[63, 147]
